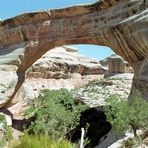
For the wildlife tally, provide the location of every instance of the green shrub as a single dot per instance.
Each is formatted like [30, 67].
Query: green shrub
[6, 131]
[131, 143]
[54, 113]
[41, 141]
[1, 142]
[2, 119]
[124, 115]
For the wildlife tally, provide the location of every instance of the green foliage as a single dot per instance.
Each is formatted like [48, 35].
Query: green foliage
[124, 115]
[42, 141]
[54, 113]
[7, 128]
[131, 142]
[8, 135]
[2, 119]
[1, 143]
[6, 131]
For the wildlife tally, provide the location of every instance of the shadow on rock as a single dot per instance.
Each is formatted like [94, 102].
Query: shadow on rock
[94, 122]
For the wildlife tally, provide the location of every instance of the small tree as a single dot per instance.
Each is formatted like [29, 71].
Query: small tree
[54, 113]
[124, 115]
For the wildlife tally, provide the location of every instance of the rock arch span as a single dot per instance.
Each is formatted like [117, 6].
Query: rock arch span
[119, 24]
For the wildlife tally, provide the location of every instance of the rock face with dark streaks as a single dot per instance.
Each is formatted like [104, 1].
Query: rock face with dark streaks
[119, 24]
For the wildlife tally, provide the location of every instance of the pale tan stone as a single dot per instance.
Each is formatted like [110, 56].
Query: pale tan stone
[119, 24]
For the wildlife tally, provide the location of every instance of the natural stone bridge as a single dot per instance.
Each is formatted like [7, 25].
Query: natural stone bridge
[119, 24]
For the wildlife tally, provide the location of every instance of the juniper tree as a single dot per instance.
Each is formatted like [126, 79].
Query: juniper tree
[124, 115]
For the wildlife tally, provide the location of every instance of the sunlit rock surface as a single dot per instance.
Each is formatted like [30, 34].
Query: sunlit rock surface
[96, 92]
[61, 67]
[63, 62]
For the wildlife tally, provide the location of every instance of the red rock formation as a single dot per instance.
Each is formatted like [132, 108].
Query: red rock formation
[119, 24]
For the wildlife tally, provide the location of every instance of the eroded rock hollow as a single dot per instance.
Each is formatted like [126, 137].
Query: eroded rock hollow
[119, 24]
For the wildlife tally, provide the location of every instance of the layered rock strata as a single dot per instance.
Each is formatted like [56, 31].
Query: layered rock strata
[63, 62]
[119, 24]
[116, 64]
[61, 67]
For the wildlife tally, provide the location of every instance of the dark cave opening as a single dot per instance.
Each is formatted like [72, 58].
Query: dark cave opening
[93, 120]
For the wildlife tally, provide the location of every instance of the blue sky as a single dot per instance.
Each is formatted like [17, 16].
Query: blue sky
[10, 8]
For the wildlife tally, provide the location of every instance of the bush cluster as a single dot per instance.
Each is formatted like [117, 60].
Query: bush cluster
[41, 141]
[6, 131]
[54, 113]
[125, 115]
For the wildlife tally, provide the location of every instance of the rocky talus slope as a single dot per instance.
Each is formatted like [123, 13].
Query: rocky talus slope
[96, 92]
[61, 67]
[119, 24]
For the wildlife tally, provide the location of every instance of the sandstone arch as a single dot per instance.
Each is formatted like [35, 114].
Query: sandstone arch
[119, 24]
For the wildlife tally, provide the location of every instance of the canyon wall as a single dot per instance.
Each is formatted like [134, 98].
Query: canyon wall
[119, 24]
[61, 67]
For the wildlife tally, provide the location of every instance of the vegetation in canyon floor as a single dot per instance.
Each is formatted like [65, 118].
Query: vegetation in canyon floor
[128, 115]
[41, 141]
[54, 113]
[6, 129]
